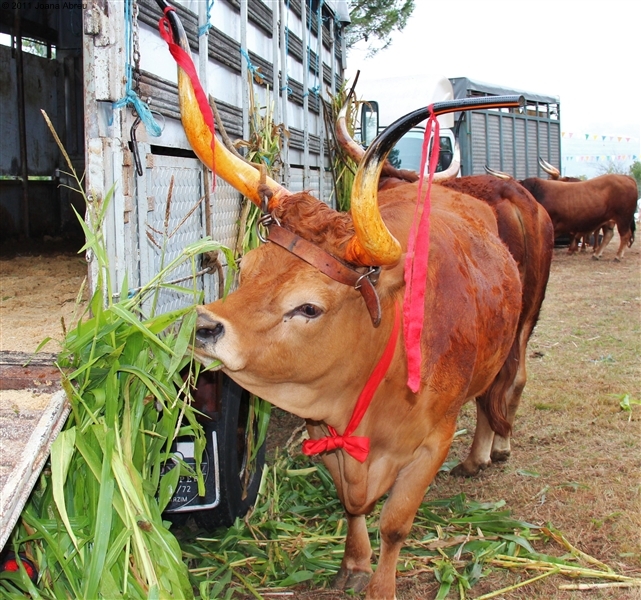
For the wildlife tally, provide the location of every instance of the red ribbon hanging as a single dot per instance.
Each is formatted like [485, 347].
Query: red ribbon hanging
[358, 447]
[416, 260]
[186, 63]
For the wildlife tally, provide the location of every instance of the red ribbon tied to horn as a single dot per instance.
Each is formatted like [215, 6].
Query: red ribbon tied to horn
[185, 62]
[416, 260]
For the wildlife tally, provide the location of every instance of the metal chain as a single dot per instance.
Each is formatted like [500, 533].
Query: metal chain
[136, 46]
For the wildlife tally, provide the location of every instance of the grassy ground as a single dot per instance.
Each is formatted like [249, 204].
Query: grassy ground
[576, 459]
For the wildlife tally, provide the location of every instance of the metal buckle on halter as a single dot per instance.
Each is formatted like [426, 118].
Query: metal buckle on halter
[266, 220]
[373, 275]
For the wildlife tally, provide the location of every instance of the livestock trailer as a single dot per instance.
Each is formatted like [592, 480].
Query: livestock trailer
[105, 77]
[508, 140]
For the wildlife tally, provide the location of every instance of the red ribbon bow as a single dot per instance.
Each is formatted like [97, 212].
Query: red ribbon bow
[358, 447]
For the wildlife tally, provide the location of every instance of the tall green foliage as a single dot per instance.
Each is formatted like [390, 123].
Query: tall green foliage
[93, 524]
[343, 166]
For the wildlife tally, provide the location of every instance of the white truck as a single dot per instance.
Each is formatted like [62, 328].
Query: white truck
[507, 139]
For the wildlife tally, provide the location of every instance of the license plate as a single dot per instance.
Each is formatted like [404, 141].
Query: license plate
[186, 496]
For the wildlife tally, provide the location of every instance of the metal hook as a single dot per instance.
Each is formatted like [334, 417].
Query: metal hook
[134, 146]
[373, 275]
[266, 220]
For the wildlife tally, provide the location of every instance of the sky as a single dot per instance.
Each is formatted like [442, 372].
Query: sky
[585, 52]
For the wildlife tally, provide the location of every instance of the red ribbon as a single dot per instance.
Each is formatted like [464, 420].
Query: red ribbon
[186, 63]
[416, 260]
[358, 447]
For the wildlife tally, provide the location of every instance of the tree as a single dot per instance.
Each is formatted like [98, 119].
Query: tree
[374, 20]
[612, 167]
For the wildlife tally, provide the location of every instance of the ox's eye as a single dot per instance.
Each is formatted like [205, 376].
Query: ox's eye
[309, 311]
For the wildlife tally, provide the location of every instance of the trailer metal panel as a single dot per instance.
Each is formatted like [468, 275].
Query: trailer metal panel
[508, 140]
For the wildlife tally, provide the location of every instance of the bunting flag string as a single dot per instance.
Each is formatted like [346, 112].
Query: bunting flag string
[600, 157]
[598, 136]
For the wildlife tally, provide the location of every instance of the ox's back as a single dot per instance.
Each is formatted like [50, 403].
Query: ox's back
[586, 205]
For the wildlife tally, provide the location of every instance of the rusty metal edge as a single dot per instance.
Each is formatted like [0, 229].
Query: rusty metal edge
[15, 493]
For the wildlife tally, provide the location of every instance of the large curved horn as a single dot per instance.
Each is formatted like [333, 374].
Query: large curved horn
[498, 174]
[238, 173]
[552, 171]
[373, 244]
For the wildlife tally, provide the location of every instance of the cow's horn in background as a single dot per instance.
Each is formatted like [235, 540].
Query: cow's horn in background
[239, 174]
[549, 169]
[498, 174]
[454, 167]
[354, 150]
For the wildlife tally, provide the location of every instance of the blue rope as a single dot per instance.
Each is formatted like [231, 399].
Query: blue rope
[315, 89]
[130, 95]
[254, 70]
[203, 29]
[286, 87]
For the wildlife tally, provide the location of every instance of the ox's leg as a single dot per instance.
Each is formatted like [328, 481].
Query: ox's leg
[625, 242]
[574, 243]
[356, 568]
[501, 448]
[479, 456]
[400, 508]
[608, 232]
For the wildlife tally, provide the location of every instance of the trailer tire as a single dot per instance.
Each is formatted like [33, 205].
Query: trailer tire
[232, 432]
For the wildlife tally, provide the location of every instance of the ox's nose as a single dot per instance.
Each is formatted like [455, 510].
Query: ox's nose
[208, 330]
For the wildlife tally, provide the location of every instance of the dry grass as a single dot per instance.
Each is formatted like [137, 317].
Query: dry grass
[576, 460]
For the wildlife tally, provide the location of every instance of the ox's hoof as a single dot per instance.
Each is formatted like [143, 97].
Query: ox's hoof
[500, 455]
[350, 580]
[595, 257]
[465, 470]
[617, 259]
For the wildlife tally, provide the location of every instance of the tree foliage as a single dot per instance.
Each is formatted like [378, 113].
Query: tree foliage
[374, 20]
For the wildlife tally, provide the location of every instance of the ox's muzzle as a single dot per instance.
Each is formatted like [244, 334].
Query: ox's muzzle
[208, 330]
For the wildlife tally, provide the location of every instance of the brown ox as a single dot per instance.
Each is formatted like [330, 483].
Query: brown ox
[586, 206]
[305, 342]
[579, 239]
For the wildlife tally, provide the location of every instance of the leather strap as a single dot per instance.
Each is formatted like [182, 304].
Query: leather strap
[329, 265]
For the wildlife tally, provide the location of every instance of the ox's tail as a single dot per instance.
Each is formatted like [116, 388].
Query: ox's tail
[633, 228]
[494, 399]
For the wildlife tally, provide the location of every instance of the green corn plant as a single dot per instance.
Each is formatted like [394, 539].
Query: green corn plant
[93, 525]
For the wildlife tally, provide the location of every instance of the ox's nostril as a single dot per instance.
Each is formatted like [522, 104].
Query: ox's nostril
[210, 334]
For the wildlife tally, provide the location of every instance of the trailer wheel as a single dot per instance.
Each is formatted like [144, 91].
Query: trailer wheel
[238, 489]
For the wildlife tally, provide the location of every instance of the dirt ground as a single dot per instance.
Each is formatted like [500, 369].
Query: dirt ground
[576, 460]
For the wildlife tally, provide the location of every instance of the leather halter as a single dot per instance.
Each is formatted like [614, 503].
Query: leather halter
[329, 265]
